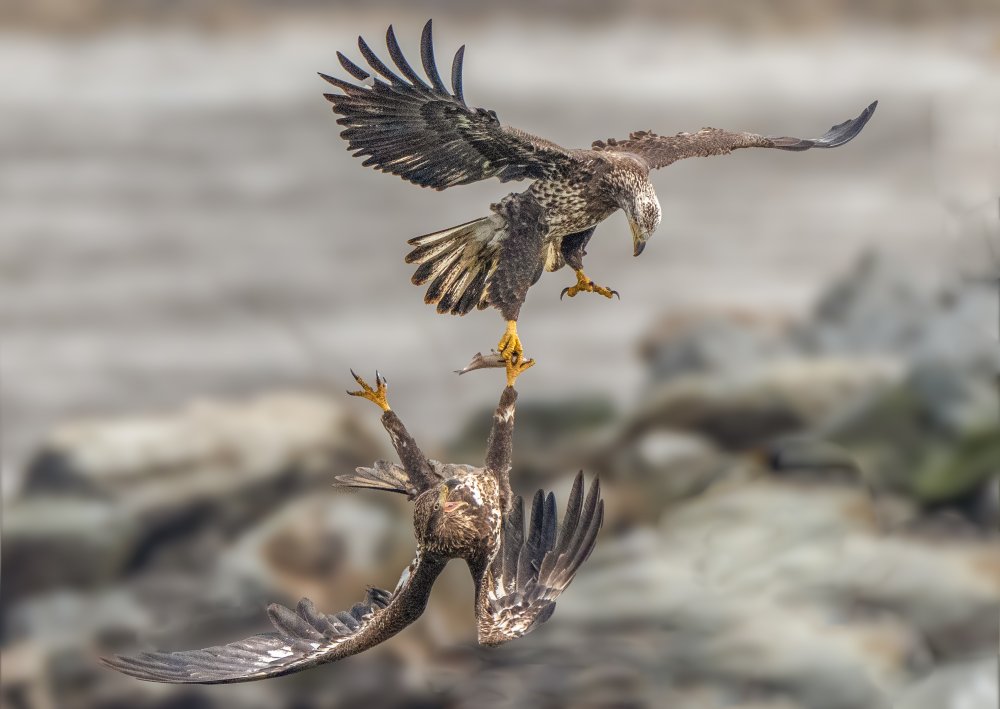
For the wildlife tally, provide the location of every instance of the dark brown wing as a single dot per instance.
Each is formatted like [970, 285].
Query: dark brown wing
[383, 475]
[661, 150]
[527, 575]
[416, 128]
[304, 638]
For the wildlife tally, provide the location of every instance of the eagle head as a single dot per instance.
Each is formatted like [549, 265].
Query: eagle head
[450, 519]
[634, 194]
[643, 213]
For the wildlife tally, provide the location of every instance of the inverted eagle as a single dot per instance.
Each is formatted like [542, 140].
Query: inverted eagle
[460, 511]
[419, 128]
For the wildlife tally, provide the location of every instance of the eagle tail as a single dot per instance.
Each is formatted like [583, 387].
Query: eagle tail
[458, 263]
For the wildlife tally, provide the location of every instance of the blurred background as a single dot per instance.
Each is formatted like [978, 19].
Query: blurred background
[793, 407]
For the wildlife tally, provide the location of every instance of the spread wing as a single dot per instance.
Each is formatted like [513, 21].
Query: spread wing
[383, 475]
[302, 638]
[520, 588]
[415, 127]
[661, 150]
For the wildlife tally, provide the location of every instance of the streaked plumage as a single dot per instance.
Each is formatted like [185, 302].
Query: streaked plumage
[421, 129]
[460, 511]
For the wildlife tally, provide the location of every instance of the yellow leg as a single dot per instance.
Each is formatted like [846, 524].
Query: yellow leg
[514, 370]
[377, 395]
[510, 344]
[585, 285]
[513, 353]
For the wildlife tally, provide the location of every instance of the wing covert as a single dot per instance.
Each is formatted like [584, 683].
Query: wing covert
[414, 127]
[662, 150]
[383, 475]
[302, 638]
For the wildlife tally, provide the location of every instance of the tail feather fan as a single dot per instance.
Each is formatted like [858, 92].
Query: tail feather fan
[458, 263]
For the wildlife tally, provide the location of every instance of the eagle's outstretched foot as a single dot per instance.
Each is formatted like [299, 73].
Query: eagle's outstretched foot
[514, 369]
[376, 395]
[512, 352]
[510, 344]
[585, 285]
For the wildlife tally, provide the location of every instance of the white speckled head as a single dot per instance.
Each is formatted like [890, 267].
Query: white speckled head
[643, 214]
[631, 189]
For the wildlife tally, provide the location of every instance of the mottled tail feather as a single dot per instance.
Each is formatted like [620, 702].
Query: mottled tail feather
[457, 262]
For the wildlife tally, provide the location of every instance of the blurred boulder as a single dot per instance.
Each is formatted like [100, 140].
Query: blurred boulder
[110, 497]
[879, 308]
[966, 685]
[207, 448]
[51, 542]
[743, 409]
[711, 342]
[933, 435]
[551, 436]
[328, 546]
[787, 589]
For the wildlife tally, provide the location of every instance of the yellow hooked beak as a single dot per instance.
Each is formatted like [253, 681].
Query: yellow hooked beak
[450, 506]
[638, 238]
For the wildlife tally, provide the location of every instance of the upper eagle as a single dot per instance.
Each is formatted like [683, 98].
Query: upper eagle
[418, 127]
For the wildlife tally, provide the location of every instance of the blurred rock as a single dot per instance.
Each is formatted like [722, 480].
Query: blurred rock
[52, 542]
[966, 685]
[878, 308]
[109, 497]
[328, 546]
[933, 435]
[790, 587]
[749, 407]
[552, 436]
[210, 447]
[711, 343]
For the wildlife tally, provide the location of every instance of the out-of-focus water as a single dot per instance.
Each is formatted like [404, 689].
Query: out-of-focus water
[180, 213]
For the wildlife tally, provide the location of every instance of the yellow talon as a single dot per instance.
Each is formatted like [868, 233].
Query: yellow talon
[510, 344]
[585, 285]
[377, 395]
[513, 353]
[514, 369]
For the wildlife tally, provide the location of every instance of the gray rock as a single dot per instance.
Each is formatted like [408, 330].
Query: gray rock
[966, 685]
[204, 473]
[52, 542]
[933, 435]
[878, 308]
[711, 344]
[752, 406]
[790, 587]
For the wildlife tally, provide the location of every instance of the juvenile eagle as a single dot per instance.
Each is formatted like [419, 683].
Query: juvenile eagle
[460, 512]
[416, 127]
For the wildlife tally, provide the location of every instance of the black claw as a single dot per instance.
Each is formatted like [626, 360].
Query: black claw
[564, 292]
[616, 293]
[356, 377]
